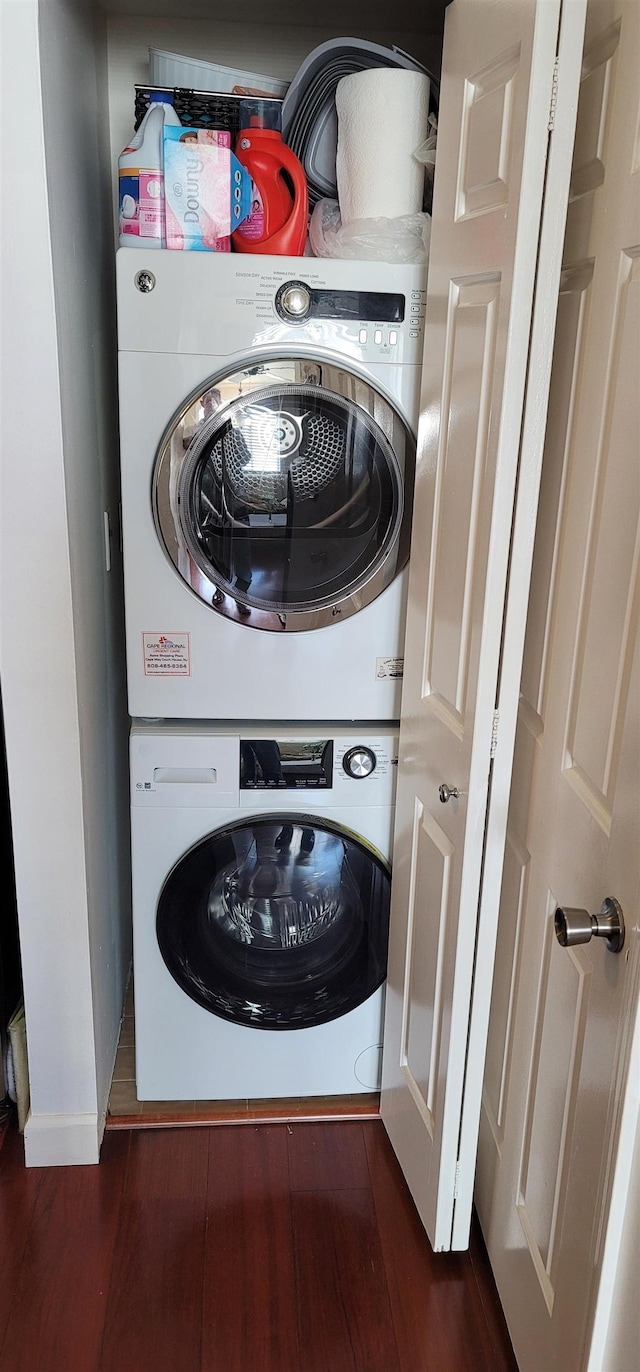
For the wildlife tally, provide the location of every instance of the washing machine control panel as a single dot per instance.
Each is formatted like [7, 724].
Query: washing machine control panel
[311, 764]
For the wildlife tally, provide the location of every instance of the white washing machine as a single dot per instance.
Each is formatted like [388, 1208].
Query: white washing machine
[268, 413]
[261, 892]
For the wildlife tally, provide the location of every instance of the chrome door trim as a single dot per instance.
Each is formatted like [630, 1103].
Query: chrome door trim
[177, 460]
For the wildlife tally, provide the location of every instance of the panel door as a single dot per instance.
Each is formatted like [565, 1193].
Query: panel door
[562, 1017]
[496, 96]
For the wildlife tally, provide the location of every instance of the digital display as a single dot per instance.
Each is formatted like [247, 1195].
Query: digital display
[286, 764]
[381, 307]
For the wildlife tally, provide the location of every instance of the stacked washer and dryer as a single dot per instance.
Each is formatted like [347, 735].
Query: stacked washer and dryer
[268, 410]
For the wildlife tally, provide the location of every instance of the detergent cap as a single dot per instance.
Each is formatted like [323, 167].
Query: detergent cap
[257, 113]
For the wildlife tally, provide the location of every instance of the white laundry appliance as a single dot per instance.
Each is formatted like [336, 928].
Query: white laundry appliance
[268, 409]
[260, 908]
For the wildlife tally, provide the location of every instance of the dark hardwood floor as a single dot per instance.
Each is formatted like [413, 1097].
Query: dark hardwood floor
[270, 1248]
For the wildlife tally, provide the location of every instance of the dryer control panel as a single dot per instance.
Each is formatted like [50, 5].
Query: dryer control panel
[295, 300]
[369, 311]
[380, 320]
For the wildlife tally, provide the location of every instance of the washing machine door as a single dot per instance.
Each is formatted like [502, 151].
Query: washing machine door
[282, 493]
[278, 922]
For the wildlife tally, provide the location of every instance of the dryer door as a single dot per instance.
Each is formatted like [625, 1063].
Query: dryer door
[283, 492]
[278, 922]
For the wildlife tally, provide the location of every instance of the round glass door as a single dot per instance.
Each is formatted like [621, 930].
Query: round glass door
[278, 922]
[281, 494]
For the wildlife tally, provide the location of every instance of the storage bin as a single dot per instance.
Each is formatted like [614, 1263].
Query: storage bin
[170, 69]
[198, 109]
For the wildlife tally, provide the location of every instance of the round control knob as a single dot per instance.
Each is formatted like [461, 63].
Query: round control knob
[293, 300]
[359, 762]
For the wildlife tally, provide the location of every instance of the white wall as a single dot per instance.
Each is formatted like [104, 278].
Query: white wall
[338, 16]
[78, 165]
[61, 640]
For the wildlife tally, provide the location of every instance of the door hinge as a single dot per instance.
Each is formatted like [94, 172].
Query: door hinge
[554, 98]
[456, 1181]
[494, 733]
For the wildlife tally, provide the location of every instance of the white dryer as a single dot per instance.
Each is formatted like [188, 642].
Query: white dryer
[260, 908]
[268, 409]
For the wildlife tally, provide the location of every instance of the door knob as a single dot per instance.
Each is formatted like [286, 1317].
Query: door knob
[578, 926]
[447, 792]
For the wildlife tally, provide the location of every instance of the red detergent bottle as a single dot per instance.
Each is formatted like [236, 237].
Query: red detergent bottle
[280, 208]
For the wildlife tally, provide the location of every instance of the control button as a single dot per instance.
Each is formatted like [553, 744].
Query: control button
[261, 783]
[393, 337]
[359, 762]
[362, 336]
[282, 783]
[312, 781]
[323, 781]
[293, 301]
[249, 784]
[377, 336]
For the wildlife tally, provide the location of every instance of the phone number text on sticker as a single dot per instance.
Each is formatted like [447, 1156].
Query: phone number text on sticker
[166, 654]
[388, 667]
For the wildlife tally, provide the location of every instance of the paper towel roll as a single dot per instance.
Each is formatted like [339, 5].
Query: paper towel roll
[382, 119]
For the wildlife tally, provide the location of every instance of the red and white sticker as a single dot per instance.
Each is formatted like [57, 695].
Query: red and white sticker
[166, 654]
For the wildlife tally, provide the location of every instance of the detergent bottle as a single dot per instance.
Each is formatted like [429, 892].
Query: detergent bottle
[141, 178]
[280, 205]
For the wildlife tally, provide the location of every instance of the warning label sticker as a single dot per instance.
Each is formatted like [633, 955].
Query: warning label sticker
[166, 654]
[387, 667]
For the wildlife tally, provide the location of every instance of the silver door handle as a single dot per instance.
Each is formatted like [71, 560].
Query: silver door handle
[578, 926]
[447, 792]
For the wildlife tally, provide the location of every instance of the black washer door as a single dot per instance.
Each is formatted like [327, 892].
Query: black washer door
[278, 922]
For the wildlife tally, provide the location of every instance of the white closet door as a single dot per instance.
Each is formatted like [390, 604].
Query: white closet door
[562, 1017]
[496, 96]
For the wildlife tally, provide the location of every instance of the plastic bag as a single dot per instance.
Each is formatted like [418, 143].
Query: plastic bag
[370, 240]
[426, 154]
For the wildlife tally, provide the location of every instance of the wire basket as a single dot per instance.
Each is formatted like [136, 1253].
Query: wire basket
[199, 109]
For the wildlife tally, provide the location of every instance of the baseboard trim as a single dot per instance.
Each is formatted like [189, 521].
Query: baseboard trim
[63, 1140]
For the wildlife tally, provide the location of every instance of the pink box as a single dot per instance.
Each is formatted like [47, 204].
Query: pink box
[197, 189]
